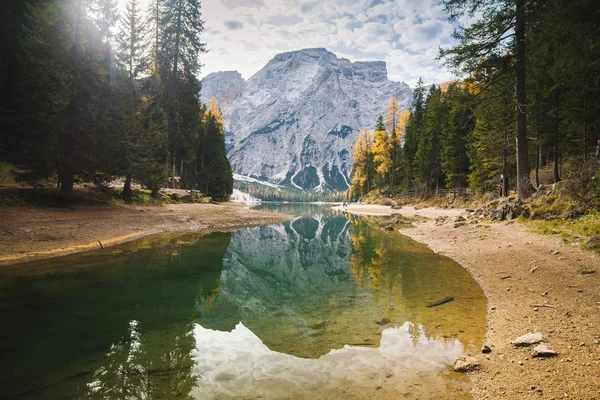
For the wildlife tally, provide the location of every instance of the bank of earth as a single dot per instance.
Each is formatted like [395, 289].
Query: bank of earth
[534, 283]
[30, 233]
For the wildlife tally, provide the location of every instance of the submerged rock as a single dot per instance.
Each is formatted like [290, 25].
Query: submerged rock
[383, 321]
[528, 339]
[466, 364]
[542, 350]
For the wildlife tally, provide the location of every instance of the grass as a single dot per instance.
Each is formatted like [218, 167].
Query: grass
[51, 197]
[578, 229]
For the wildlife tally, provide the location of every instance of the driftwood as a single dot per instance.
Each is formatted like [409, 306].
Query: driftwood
[543, 305]
[440, 302]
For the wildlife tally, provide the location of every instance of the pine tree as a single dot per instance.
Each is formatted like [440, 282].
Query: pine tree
[427, 158]
[215, 174]
[455, 136]
[181, 27]
[413, 129]
[132, 57]
[392, 124]
[489, 38]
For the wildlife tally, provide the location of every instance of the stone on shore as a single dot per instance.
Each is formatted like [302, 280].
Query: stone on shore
[466, 364]
[542, 350]
[528, 339]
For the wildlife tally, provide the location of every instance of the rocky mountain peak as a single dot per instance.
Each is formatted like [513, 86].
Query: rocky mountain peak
[295, 121]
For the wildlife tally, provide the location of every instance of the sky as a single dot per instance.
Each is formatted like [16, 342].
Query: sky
[244, 35]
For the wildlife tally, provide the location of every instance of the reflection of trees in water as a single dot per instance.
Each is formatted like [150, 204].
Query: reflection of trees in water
[152, 359]
[404, 276]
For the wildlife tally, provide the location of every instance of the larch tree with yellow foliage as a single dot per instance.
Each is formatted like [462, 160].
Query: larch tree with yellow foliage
[395, 125]
[362, 163]
[214, 170]
[381, 153]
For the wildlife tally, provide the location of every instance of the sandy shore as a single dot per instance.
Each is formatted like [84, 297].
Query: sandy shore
[30, 233]
[534, 283]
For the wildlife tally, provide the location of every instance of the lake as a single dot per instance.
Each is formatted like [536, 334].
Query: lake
[323, 306]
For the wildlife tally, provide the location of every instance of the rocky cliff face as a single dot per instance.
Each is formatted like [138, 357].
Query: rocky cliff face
[295, 121]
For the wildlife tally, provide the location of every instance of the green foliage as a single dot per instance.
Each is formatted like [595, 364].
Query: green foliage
[215, 177]
[427, 159]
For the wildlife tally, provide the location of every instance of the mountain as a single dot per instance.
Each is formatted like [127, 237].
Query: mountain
[295, 121]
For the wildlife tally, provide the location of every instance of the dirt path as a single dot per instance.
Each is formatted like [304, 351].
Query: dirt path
[29, 233]
[533, 283]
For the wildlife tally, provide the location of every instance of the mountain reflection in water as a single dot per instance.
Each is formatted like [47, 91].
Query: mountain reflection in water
[322, 306]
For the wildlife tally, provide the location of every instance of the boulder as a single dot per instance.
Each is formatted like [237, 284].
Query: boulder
[594, 242]
[528, 339]
[466, 364]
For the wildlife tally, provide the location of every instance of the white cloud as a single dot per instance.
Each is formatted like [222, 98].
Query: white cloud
[244, 35]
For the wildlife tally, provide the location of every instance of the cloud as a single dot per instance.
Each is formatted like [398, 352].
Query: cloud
[404, 33]
[284, 20]
[233, 25]
[243, 3]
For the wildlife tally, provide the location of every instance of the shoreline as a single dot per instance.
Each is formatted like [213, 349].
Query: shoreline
[533, 283]
[34, 233]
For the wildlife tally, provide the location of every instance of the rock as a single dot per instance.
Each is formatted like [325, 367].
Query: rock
[528, 339]
[383, 321]
[594, 242]
[320, 325]
[459, 224]
[542, 350]
[389, 228]
[280, 104]
[459, 219]
[486, 349]
[466, 364]
[588, 272]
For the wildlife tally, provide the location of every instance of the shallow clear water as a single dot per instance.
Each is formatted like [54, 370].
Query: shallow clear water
[323, 306]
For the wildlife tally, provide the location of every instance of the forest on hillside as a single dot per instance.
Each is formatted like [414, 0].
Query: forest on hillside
[529, 100]
[89, 94]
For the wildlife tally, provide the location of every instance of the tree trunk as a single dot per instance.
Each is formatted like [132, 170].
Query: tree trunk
[66, 187]
[537, 166]
[556, 132]
[523, 183]
[127, 187]
[585, 111]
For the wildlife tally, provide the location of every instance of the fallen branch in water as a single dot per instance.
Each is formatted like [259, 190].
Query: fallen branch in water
[440, 302]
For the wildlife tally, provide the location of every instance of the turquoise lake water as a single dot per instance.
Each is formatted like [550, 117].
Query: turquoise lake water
[323, 306]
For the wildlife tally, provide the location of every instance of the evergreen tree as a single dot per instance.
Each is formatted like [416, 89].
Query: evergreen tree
[427, 158]
[499, 32]
[132, 57]
[392, 124]
[456, 134]
[181, 27]
[215, 174]
[414, 126]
